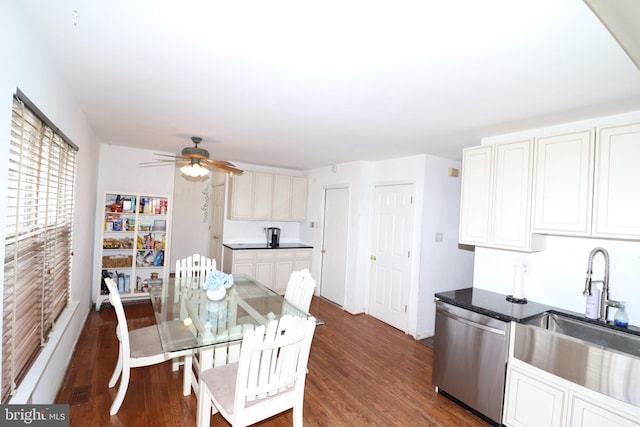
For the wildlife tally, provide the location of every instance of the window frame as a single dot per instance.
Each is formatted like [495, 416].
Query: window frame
[38, 238]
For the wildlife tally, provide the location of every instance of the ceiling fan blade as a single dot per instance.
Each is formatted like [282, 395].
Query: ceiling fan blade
[152, 164]
[174, 156]
[219, 165]
[223, 162]
[158, 161]
[164, 162]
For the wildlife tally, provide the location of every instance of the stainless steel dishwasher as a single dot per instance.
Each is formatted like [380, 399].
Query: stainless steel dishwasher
[470, 358]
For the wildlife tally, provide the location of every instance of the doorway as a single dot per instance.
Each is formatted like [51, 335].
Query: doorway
[333, 274]
[392, 241]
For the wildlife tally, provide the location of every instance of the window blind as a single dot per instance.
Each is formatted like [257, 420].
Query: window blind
[38, 238]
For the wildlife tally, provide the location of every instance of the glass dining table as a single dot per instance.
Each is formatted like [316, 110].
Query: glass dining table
[189, 322]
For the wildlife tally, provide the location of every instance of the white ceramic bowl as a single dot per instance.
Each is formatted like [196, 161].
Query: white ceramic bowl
[217, 295]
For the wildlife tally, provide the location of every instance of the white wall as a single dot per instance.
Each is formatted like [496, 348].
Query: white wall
[444, 265]
[190, 231]
[26, 66]
[558, 273]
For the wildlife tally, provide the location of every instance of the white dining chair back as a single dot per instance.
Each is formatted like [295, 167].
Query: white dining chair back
[195, 265]
[300, 288]
[269, 377]
[137, 348]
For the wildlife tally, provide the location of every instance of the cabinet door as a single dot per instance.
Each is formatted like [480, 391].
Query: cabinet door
[299, 189]
[241, 196]
[302, 260]
[283, 267]
[617, 189]
[281, 209]
[264, 267]
[262, 195]
[531, 403]
[475, 206]
[242, 262]
[563, 184]
[586, 412]
[512, 199]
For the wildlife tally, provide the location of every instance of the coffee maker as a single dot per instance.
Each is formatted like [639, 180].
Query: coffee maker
[273, 237]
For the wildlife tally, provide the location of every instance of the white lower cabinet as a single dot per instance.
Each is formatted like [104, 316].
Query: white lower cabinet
[586, 412]
[531, 402]
[535, 398]
[271, 267]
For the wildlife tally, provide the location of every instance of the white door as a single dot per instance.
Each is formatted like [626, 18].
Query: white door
[391, 255]
[334, 245]
[217, 222]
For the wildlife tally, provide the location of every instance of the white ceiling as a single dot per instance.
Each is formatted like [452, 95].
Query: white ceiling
[304, 84]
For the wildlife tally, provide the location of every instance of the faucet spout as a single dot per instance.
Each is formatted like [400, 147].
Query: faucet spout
[605, 302]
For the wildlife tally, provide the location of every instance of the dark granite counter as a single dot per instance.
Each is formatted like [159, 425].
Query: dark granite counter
[244, 246]
[492, 304]
[495, 305]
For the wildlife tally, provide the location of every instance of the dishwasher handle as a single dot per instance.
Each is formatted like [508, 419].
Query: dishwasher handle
[471, 323]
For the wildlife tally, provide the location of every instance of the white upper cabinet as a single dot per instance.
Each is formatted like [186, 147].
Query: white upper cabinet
[563, 184]
[281, 197]
[299, 194]
[251, 195]
[475, 210]
[262, 195]
[496, 197]
[289, 198]
[265, 196]
[616, 207]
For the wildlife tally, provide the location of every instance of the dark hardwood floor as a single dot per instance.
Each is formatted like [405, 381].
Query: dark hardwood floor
[362, 372]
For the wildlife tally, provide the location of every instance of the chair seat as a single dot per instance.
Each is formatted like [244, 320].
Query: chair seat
[145, 342]
[221, 382]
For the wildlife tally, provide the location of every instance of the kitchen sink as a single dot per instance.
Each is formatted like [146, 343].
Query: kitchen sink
[591, 333]
[586, 353]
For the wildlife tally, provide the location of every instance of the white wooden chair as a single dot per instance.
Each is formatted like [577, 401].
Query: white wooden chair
[268, 379]
[300, 288]
[195, 265]
[137, 348]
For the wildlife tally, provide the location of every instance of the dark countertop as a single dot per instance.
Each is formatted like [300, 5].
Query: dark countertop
[495, 305]
[243, 246]
[492, 304]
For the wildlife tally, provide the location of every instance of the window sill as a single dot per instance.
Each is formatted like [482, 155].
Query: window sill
[29, 388]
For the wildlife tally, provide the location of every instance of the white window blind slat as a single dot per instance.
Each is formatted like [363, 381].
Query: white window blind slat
[41, 177]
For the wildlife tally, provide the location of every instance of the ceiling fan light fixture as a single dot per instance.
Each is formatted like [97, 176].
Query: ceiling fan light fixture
[194, 170]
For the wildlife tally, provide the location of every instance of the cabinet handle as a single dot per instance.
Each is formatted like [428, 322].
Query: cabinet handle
[323, 251]
[372, 257]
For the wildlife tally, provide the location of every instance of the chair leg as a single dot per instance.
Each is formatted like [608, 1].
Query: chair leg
[203, 414]
[122, 391]
[188, 372]
[117, 370]
[297, 415]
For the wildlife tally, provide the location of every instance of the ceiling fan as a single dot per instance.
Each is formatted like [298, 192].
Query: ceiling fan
[195, 161]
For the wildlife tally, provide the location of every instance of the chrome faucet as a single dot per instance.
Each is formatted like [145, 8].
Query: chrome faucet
[605, 302]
